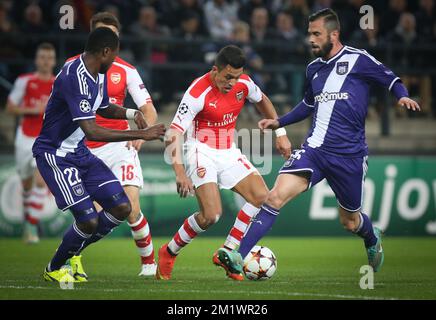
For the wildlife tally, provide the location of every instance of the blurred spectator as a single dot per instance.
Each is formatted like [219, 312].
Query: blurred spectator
[425, 18]
[286, 31]
[6, 25]
[405, 39]
[369, 37]
[182, 8]
[154, 53]
[406, 36]
[9, 42]
[220, 16]
[299, 11]
[350, 17]
[147, 26]
[259, 25]
[433, 76]
[246, 9]
[241, 38]
[389, 20]
[292, 51]
[33, 20]
[188, 51]
[254, 64]
[112, 9]
[260, 32]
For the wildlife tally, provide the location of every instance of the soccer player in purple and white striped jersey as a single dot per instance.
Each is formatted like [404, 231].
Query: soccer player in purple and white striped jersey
[73, 174]
[336, 93]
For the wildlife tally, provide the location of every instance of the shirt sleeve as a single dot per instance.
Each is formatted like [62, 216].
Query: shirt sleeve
[17, 93]
[136, 88]
[189, 107]
[254, 94]
[374, 71]
[76, 91]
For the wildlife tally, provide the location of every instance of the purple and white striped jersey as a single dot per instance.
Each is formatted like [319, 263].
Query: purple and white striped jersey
[76, 95]
[338, 90]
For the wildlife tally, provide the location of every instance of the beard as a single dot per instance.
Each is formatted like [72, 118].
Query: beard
[324, 50]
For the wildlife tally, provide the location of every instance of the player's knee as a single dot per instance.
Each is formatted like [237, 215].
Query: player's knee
[210, 217]
[122, 211]
[274, 200]
[89, 226]
[260, 198]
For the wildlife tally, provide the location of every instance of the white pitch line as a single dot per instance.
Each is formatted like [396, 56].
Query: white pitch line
[291, 294]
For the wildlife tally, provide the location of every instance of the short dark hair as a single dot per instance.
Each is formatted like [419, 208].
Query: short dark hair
[230, 55]
[45, 46]
[101, 38]
[331, 20]
[106, 18]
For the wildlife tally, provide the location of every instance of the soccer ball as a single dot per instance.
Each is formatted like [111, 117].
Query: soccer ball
[260, 263]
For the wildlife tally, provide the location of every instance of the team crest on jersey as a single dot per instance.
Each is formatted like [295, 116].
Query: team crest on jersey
[201, 172]
[115, 77]
[84, 106]
[78, 190]
[239, 95]
[342, 68]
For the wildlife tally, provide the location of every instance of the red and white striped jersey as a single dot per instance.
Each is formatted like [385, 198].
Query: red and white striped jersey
[209, 116]
[121, 77]
[28, 90]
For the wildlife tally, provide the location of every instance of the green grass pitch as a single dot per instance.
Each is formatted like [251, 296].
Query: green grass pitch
[308, 268]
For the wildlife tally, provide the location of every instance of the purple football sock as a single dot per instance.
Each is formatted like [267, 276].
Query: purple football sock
[106, 223]
[259, 226]
[366, 231]
[71, 243]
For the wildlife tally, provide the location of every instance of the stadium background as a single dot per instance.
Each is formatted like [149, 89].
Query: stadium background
[173, 41]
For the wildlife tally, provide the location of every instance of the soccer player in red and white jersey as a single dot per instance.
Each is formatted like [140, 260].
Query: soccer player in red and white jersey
[208, 114]
[122, 157]
[28, 100]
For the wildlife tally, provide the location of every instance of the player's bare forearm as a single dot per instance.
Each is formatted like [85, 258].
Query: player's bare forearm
[150, 113]
[266, 108]
[113, 111]
[173, 143]
[94, 132]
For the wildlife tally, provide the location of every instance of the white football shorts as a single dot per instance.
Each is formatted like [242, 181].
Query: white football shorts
[123, 162]
[225, 167]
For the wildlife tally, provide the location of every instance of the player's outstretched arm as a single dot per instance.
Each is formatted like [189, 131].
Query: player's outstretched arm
[300, 112]
[94, 132]
[150, 116]
[114, 111]
[409, 104]
[267, 109]
[173, 142]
